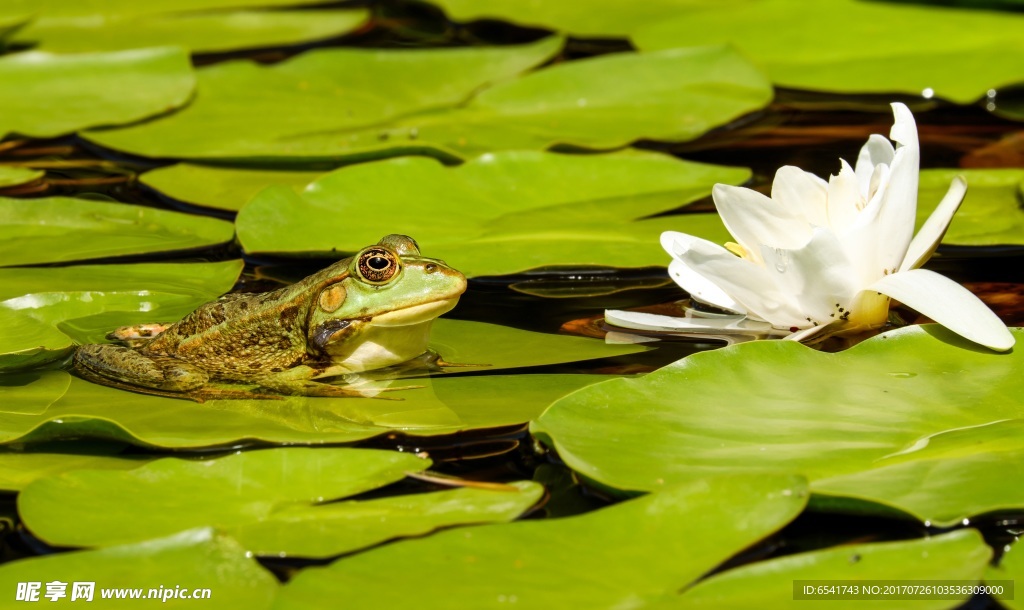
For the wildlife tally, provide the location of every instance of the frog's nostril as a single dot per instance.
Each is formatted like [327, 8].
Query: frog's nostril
[430, 268]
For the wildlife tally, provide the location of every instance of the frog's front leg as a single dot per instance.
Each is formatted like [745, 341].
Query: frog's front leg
[301, 381]
[128, 366]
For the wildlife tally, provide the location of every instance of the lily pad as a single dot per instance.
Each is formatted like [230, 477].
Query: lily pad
[27, 342]
[19, 468]
[957, 556]
[61, 229]
[174, 494]
[990, 214]
[598, 19]
[83, 410]
[265, 519]
[43, 311]
[771, 406]
[59, 94]
[620, 556]
[222, 188]
[194, 560]
[322, 94]
[517, 210]
[201, 32]
[676, 95]
[867, 47]
[13, 176]
[1011, 567]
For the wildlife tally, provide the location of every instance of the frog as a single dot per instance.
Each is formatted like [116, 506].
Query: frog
[370, 311]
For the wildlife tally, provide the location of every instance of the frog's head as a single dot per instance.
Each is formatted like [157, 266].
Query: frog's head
[386, 285]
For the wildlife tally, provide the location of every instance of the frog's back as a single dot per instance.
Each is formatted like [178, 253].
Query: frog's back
[240, 336]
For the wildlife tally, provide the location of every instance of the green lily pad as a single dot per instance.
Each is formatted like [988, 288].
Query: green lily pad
[201, 32]
[324, 94]
[615, 557]
[60, 229]
[518, 210]
[956, 54]
[13, 176]
[990, 214]
[44, 311]
[59, 94]
[343, 527]
[771, 406]
[193, 560]
[241, 500]
[675, 95]
[222, 188]
[173, 494]
[1011, 567]
[19, 468]
[83, 410]
[600, 19]
[27, 342]
[957, 556]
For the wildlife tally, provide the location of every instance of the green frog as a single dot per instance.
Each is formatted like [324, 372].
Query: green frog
[366, 312]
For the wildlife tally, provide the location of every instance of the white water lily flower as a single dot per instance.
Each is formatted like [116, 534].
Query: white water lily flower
[823, 257]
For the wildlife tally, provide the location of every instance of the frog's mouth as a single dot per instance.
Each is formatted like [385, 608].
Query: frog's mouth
[416, 314]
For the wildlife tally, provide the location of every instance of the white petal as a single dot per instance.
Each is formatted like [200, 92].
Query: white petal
[749, 284]
[876, 151]
[818, 276]
[701, 288]
[860, 239]
[949, 304]
[898, 209]
[844, 200]
[802, 194]
[927, 239]
[754, 219]
[649, 321]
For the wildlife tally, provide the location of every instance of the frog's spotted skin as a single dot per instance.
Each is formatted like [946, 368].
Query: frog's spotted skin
[366, 312]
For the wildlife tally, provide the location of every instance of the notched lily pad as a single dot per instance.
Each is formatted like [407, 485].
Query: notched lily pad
[221, 188]
[18, 468]
[173, 494]
[855, 423]
[51, 95]
[196, 559]
[518, 210]
[319, 97]
[61, 229]
[618, 556]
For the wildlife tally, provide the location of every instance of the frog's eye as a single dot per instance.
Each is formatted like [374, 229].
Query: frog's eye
[377, 265]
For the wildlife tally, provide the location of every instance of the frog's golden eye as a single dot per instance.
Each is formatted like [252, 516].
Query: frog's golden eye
[377, 265]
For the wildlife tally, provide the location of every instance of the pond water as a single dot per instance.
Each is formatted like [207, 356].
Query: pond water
[809, 130]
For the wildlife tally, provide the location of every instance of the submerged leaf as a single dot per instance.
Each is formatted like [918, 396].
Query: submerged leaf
[858, 427]
[517, 210]
[50, 95]
[13, 176]
[60, 229]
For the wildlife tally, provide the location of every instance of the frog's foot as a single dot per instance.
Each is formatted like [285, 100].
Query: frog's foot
[326, 390]
[114, 363]
[137, 335]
